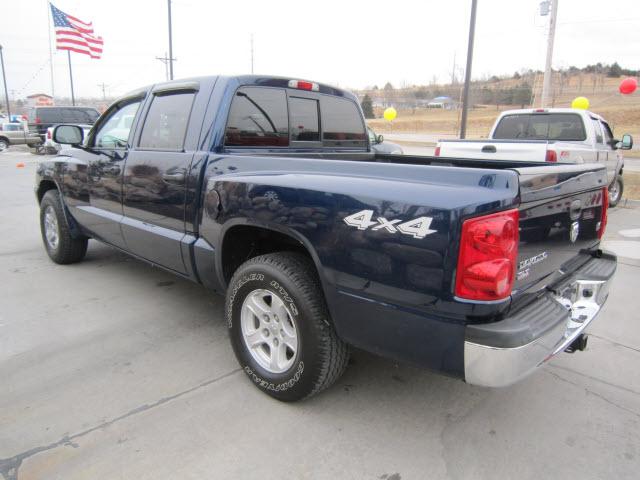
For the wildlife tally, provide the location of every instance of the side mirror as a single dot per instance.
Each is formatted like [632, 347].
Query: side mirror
[626, 143]
[379, 139]
[68, 134]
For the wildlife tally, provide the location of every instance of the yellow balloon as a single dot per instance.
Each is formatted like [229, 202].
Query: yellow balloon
[580, 102]
[390, 113]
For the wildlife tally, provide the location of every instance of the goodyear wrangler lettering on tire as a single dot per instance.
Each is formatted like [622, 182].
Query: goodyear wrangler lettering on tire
[280, 387]
[281, 333]
[234, 292]
[285, 296]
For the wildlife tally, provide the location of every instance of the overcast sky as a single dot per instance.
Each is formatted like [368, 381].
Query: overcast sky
[347, 43]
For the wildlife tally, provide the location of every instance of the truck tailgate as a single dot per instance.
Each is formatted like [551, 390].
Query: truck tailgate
[560, 218]
[524, 150]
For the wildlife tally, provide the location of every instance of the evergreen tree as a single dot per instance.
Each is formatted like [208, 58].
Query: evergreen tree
[367, 107]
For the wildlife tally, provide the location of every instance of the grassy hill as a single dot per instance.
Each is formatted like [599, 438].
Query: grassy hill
[622, 111]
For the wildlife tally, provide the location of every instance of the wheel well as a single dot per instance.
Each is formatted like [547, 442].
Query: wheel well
[44, 187]
[5, 139]
[242, 243]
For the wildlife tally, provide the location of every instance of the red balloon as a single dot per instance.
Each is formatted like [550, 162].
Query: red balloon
[628, 86]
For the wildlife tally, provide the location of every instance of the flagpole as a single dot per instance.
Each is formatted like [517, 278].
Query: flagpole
[50, 51]
[73, 98]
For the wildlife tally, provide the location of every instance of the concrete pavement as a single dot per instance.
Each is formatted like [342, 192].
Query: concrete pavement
[113, 369]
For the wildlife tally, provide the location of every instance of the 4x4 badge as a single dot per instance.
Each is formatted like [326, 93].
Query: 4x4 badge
[417, 228]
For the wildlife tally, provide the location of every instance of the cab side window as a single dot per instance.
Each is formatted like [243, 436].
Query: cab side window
[608, 135]
[114, 132]
[597, 130]
[166, 123]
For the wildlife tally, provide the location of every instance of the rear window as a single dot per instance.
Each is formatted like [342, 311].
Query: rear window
[305, 125]
[541, 126]
[64, 115]
[258, 118]
[341, 123]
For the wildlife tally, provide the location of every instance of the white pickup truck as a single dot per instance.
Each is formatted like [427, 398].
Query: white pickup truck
[564, 135]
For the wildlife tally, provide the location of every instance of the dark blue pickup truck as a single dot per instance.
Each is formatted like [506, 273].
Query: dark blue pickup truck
[267, 190]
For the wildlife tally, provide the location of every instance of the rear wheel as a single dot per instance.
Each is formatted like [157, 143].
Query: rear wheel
[4, 144]
[615, 191]
[61, 246]
[279, 327]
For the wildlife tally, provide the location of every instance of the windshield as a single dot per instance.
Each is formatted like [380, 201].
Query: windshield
[541, 126]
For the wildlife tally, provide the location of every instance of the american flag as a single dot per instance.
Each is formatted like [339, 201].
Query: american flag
[75, 35]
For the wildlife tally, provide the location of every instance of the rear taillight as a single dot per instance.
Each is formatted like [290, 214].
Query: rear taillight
[551, 156]
[603, 215]
[48, 133]
[488, 254]
[437, 152]
[38, 120]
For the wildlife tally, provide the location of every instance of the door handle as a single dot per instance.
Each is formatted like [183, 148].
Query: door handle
[173, 177]
[489, 149]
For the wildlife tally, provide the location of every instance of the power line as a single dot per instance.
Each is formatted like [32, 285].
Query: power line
[167, 61]
[103, 86]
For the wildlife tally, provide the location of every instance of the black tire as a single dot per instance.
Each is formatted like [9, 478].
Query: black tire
[615, 195]
[66, 249]
[321, 356]
[4, 144]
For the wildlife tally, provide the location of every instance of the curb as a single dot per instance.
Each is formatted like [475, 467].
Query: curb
[629, 203]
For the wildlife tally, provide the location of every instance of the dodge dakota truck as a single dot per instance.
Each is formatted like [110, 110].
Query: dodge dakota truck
[563, 135]
[266, 189]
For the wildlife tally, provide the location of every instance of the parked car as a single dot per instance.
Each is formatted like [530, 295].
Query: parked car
[379, 144]
[265, 189]
[51, 147]
[16, 134]
[41, 118]
[564, 135]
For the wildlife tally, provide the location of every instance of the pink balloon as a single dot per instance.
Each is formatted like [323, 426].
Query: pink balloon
[628, 86]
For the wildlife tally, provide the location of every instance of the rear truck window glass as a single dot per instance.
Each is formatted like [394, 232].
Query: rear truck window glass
[541, 126]
[341, 123]
[49, 115]
[258, 118]
[64, 115]
[305, 123]
[165, 126]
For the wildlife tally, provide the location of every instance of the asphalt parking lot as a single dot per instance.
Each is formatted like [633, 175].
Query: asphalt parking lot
[113, 369]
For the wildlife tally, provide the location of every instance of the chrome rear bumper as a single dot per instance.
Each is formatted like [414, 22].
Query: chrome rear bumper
[501, 353]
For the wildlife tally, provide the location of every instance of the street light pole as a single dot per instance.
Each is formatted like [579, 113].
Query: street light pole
[4, 81]
[170, 43]
[546, 84]
[467, 73]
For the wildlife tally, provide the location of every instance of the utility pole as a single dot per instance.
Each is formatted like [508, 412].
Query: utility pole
[467, 72]
[252, 54]
[166, 61]
[453, 71]
[4, 81]
[170, 60]
[103, 86]
[546, 84]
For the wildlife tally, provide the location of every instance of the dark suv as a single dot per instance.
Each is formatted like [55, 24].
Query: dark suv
[41, 118]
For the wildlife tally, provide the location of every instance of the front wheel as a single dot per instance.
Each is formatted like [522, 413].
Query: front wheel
[61, 246]
[615, 191]
[3, 144]
[279, 327]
